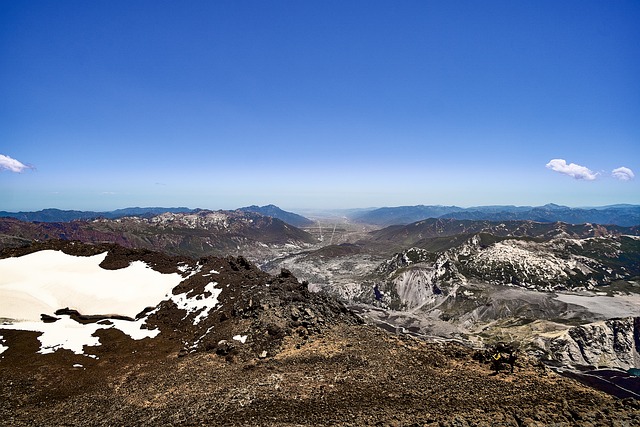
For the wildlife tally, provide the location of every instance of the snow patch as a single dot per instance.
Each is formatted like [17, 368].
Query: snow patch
[241, 338]
[3, 347]
[45, 281]
[210, 273]
[68, 334]
[200, 304]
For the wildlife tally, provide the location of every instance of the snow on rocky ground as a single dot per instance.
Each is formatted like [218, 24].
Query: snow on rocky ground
[241, 338]
[201, 304]
[533, 263]
[194, 220]
[42, 282]
[68, 334]
[45, 281]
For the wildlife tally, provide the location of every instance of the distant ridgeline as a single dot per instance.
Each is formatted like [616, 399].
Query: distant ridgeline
[275, 212]
[624, 214]
[58, 215]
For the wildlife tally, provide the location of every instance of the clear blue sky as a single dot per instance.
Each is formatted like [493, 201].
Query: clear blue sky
[307, 104]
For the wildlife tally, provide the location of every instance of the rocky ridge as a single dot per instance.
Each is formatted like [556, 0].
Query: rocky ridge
[486, 286]
[269, 352]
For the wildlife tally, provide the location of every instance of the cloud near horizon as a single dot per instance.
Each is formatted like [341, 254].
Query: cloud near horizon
[572, 170]
[623, 174]
[12, 165]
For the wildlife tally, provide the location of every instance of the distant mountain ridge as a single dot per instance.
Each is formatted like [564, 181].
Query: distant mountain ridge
[59, 215]
[623, 215]
[195, 234]
[275, 212]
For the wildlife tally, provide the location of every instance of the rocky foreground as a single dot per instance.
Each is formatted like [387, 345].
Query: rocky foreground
[296, 358]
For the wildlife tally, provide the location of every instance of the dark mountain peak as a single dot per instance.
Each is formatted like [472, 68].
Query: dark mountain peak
[553, 206]
[404, 214]
[275, 212]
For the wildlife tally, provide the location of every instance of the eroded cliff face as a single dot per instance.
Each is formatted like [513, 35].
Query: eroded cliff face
[612, 343]
[416, 277]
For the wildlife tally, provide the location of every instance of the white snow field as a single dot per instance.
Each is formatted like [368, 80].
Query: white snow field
[45, 281]
[2, 346]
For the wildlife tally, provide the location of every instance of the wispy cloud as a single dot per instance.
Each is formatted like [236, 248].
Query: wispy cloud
[571, 169]
[12, 165]
[623, 174]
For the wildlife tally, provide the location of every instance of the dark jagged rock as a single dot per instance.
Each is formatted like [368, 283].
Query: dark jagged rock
[48, 319]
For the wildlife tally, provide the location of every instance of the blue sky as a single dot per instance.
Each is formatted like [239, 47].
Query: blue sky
[318, 104]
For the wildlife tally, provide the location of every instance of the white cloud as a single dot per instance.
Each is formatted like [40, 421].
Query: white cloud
[13, 165]
[571, 169]
[623, 174]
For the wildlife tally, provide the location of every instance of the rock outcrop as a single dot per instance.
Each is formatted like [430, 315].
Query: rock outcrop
[612, 343]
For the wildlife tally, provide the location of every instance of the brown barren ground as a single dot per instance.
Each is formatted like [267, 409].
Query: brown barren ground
[348, 375]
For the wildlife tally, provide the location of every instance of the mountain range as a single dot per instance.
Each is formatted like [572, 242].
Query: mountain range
[275, 212]
[195, 234]
[624, 215]
[620, 214]
[58, 215]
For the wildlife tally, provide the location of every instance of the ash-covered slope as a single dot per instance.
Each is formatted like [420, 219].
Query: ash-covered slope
[239, 347]
[416, 276]
[481, 287]
[192, 234]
